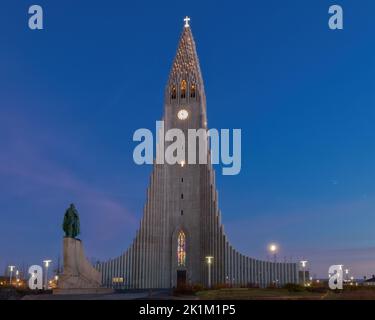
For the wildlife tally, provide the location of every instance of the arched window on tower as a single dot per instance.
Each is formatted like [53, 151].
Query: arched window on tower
[173, 92]
[192, 91]
[181, 249]
[183, 89]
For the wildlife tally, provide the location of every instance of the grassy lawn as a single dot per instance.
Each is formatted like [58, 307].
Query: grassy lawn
[360, 293]
[257, 294]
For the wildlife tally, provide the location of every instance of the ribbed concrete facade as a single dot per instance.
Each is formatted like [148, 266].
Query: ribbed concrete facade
[182, 199]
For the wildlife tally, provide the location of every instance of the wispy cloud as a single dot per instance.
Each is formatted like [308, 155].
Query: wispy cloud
[29, 173]
[325, 234]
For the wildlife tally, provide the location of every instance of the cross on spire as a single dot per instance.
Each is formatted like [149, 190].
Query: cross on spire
[187, 19]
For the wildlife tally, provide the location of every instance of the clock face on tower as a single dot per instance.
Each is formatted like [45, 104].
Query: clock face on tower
[182, 114]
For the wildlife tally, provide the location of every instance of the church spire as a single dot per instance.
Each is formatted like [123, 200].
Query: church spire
[186, 63]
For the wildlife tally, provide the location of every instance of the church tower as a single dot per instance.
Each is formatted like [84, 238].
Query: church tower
[181, 226]
[186, 184]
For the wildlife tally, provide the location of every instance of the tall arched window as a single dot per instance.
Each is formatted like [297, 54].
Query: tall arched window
[183, 89]
[181, 249]
[192, 91]
[173, 92]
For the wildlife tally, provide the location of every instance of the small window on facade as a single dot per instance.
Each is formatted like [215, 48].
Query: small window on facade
[182, 195]
[192, 91]
[182, 179]
[183, 89]
[173, 92]
[182, 212]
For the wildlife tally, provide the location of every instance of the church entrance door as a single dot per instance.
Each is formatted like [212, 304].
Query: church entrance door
[181, 278]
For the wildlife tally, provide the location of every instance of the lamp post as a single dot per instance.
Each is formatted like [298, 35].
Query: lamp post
[273, 249]
[346, 275]
[46, 264]
[11, 268]
[209, 262]
[18, 277]
[304, 263]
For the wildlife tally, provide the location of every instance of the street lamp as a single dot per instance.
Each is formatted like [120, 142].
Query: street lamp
[346, 275]
[303, 264]
[46, 264]
[273, 249]
[209, 262]
[11, 268]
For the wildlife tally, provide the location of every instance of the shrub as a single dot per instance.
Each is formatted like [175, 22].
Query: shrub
[219, 286]
[320, 289]
[188, 289]
[183, 290]
[253, 285]
[292, 287]
[198, 287]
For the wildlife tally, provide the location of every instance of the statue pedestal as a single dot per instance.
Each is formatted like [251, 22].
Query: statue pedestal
[78, 276]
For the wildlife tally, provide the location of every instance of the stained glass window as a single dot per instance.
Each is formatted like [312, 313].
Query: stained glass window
[181, 249]
[173, 92]
[192, 91]
[183, 89]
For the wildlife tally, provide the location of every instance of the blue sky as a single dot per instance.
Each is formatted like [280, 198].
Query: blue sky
[72, 95]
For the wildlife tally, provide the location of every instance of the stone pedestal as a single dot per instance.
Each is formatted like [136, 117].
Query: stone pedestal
[78, 274]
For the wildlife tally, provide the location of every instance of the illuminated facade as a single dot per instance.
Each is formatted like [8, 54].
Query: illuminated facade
[181, 224]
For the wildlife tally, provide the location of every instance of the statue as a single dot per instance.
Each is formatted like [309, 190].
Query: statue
[71, 222]
[78, 276]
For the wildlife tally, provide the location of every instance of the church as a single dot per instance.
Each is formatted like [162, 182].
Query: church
[181, 239]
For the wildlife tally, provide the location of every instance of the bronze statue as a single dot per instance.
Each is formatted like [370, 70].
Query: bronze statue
[71, 222]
